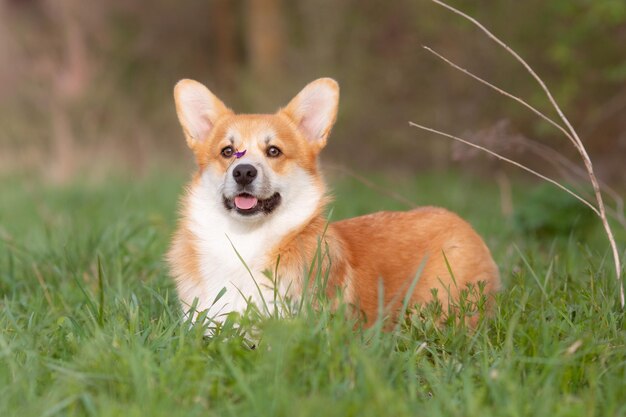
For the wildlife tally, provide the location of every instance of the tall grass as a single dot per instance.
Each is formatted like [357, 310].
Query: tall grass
[90, 324]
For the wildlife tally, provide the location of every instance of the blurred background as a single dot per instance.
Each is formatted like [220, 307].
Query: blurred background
[86, 87]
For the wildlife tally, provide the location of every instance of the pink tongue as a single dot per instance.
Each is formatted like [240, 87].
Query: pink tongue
[245, 202]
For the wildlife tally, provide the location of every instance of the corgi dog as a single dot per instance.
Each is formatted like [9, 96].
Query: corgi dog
[257, 203]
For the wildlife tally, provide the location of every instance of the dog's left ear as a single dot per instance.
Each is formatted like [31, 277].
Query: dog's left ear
[314, 109]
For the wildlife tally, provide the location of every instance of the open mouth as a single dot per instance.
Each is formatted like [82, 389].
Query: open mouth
[247, 204]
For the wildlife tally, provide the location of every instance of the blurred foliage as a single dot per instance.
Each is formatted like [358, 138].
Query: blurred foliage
[548, 213]
[80, 79]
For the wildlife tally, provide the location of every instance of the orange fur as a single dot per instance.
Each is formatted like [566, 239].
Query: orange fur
[387, 246]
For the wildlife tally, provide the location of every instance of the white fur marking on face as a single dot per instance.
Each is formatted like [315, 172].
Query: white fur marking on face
[220, 266]
[254, 144]
[254, 147]
[233, 135]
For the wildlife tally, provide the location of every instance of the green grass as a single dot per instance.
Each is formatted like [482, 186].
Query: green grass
[90, 324]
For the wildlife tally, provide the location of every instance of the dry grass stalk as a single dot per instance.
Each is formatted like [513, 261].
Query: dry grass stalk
[506, 197]
[573, 173]
[618, 213]
[510, 161]
[373, 186]
[568, 131]
[500, 138]
[44, 287]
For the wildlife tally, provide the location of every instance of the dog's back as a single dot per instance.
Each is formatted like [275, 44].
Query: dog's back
[395, 247]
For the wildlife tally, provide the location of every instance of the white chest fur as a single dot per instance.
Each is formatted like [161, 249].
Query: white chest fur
[234, 252]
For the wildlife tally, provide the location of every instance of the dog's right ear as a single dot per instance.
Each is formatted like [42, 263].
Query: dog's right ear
[198, 110]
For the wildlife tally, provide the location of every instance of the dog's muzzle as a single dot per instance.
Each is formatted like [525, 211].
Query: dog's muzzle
[249, 191]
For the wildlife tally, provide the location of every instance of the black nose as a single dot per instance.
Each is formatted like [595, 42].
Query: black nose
[244, 174]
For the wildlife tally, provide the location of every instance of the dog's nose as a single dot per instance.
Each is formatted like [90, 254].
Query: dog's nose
[244, 174]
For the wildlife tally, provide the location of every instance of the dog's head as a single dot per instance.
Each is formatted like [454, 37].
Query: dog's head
[259, 162]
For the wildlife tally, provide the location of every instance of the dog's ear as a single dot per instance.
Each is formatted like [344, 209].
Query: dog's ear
[198, 110]
[314, 109]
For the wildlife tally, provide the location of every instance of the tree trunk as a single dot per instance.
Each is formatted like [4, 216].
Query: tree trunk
[265, 37]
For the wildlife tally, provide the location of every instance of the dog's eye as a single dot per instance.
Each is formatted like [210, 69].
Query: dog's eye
[228, 151]
[273, 152]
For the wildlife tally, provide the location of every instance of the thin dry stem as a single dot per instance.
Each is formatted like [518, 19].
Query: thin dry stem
[43, 285]
[391, 194]
[503, 92]
[617, 213]
[563, 164]
[510, 161]
[573, 135]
